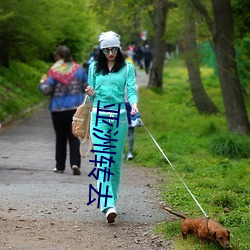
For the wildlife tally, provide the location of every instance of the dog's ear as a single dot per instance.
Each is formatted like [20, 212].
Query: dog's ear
[228, 237]
[214, 235]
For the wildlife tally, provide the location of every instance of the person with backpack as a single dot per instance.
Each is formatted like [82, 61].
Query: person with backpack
[65, 83]
[108, 78]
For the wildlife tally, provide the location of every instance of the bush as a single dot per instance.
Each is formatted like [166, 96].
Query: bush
[231, 146]
[19, 88]
[223, 200]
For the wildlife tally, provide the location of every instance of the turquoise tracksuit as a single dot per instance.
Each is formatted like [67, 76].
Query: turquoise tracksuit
[109, 133]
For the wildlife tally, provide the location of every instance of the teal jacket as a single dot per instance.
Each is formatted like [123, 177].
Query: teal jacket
[110, 88]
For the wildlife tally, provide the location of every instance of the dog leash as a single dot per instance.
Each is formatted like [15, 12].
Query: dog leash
[174, 170]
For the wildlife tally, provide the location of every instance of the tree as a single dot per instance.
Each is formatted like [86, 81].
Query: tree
[223, 38]
[126, 17]
[159, 46]
[28, 33]
[201, 99]
[242, 33]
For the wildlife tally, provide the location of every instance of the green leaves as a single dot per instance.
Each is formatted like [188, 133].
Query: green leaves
[30, 32]
[231, 146]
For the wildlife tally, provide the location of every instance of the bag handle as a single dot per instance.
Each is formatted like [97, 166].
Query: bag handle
[85, 99]
[83, 155]
[86, 138]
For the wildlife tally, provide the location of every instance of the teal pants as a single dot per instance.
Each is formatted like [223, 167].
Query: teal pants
[111, 157]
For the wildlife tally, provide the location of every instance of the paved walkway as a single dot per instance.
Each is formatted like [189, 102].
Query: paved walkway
[29, 189]
[27, 158]
[141, 78]
[26, 163]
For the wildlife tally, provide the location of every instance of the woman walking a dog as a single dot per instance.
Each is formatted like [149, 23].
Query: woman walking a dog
[108, 78]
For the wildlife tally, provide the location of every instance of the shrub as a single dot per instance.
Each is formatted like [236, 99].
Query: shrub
[231, 146]
[223, 200]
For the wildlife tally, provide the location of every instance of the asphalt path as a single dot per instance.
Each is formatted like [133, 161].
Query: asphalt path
[31, 190]
[26, 164]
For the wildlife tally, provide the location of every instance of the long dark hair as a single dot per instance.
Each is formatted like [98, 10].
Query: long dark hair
[101, 63]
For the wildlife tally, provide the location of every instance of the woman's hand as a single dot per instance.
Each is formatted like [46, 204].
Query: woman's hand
[90, 91]
[134, 109]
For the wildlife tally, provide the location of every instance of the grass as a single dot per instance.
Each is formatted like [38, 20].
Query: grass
[19, 88]
[214, 164]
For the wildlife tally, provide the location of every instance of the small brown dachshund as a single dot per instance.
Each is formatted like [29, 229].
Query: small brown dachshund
[204, 229]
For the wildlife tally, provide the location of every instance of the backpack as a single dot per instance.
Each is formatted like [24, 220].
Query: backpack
[81, 125]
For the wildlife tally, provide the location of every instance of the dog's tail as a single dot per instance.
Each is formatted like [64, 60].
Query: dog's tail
[175, 213]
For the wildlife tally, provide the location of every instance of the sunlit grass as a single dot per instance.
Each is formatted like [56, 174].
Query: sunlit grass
[19, 87]
[190, 140]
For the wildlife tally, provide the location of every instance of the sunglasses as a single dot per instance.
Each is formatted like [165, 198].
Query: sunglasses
[106, 51]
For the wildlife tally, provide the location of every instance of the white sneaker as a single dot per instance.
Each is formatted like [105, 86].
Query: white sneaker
[129, 156]
[58, 171]
[111, 214]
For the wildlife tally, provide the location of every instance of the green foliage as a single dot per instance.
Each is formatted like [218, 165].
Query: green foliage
[176, 18]
[243, 59]
[241, 17]
[128, 18]
[175, 25]
[19, 87]
[224, 200]
[170, 230]
[29, 33]
[219, 183]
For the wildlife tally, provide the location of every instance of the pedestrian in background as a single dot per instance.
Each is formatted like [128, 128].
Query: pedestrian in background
[147, 54]
[108, 78]
[138, 55]
[65, 84]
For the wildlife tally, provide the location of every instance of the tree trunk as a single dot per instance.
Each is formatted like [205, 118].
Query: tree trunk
[235, 109]
[201, 99]
[223, 38]
[159, 47]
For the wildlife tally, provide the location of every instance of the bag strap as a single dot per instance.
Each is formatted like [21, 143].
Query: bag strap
[93, 65]
[126, 83]
[127, 75]
[85, 99]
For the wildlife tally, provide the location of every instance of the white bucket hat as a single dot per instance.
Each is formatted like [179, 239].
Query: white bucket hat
[109, 39]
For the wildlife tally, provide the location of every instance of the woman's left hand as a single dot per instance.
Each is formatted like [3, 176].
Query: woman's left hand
[134, 109]
[90, 91]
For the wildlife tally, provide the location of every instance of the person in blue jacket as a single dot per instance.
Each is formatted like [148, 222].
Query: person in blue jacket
[65, 83]
[108, 77]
